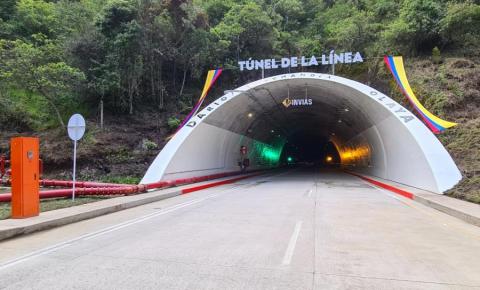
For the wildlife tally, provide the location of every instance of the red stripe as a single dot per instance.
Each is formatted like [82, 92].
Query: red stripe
[218, 183]
[386, 186]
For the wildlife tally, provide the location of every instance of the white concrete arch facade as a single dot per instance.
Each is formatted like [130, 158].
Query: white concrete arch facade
[373, 134]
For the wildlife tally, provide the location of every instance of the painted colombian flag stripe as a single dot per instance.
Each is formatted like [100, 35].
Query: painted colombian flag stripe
[391, 65]
[212, 77]
[396, 67]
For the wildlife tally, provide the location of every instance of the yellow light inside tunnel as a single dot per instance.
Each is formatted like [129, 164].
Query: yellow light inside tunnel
[355, 153]
[329, 158]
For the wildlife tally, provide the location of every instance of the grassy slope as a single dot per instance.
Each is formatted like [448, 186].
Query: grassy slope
[451, 90]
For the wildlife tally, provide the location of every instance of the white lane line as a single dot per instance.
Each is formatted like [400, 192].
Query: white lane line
[287, 258]
[150, 216]
[110, 229]
[89, 236]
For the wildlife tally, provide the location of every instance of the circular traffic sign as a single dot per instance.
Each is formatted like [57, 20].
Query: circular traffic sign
[76, 127]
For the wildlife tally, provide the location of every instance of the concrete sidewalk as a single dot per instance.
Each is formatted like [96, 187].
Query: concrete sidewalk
[14, 227]
[464, 210]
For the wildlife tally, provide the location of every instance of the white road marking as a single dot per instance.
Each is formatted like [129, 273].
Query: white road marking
[287, 258]
[310, 193]
[89, 236]
[110, 229]
[113, 228]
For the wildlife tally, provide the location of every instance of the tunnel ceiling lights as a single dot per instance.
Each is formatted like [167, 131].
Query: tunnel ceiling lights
[250, 115]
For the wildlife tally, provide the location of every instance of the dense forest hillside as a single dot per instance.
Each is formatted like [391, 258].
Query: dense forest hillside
[144, 62]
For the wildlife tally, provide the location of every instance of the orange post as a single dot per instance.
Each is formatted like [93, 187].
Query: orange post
[25, 177]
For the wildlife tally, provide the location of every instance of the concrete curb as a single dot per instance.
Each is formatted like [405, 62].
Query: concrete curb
[45, 222]
[463, 210]
[14, 227]
[455, 212]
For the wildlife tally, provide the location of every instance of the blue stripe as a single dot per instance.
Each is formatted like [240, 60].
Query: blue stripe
[397, 78]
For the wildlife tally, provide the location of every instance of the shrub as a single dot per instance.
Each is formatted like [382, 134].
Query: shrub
[436, 57]
[149, 145]
[173, 123]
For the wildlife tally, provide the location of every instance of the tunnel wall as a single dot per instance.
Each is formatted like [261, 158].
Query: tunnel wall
[403, 162]
[396, 145]
[213, 150]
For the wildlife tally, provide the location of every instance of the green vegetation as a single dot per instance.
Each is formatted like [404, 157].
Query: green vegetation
[121, 179]
[173, 123]
[463, 142]
[149, 144]
[132, 54]
[436, 57]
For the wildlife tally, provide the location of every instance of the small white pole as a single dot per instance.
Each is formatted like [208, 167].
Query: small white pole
[74, 168]
[76, 129]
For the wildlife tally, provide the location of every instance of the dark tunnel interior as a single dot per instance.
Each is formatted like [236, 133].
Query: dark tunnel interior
[305, 149]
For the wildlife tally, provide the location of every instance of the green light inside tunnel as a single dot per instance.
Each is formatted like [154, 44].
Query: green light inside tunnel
[267, 154]
[289, 159]
[270, 154]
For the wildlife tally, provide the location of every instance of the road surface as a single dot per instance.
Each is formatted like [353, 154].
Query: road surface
[300, 229]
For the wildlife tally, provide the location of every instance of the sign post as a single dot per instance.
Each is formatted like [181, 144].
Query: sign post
[76, 129]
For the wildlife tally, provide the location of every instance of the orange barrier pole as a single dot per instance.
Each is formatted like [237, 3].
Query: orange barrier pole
[25, 176]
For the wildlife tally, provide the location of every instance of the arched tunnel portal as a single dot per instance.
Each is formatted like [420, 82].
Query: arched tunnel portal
[305, 117]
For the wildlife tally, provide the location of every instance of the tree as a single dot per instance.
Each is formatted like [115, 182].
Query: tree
[38, 69]
[461, 24]
[246, 31]
[418, 25]
[56, 81]
[216, 10]
[122, 35]
[7, 9]
[35, 17]
[104, 80]
[127, 60]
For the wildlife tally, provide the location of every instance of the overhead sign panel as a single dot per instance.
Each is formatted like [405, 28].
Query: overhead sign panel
[294, 61]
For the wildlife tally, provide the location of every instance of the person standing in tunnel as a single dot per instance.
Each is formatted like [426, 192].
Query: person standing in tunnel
[243, 162]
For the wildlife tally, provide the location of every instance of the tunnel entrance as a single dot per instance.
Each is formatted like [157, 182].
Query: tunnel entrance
[308, 117]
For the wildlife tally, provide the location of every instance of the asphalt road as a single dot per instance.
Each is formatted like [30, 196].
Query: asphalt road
[302, 229]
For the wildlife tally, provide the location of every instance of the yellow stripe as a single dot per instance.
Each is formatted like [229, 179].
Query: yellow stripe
[210, 75]
[398, 60]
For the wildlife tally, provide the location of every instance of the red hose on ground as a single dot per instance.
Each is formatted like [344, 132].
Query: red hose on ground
[95, 188]
[83, 191]
[69, 183]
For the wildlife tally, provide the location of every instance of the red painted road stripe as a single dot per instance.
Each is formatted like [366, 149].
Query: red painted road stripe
[385, 186]
[218, 183]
